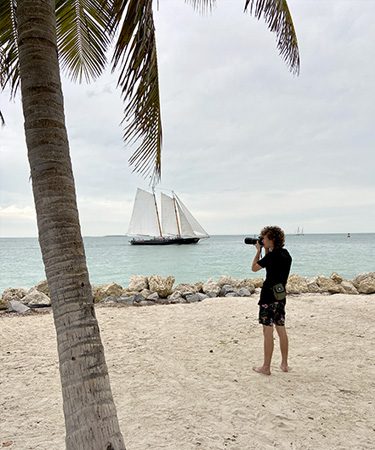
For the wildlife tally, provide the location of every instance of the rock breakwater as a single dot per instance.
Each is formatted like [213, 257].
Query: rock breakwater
[155, 289]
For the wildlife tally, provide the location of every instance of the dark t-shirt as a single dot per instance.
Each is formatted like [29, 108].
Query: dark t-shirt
[277, 264]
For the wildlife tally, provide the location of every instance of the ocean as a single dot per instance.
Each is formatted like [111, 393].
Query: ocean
[113, 259]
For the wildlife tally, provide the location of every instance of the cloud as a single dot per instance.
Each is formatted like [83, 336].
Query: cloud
[245, 142]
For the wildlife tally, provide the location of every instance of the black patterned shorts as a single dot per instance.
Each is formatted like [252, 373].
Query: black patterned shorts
[272, 314]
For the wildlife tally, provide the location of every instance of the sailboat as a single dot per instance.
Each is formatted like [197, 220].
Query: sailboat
[175, 224]
[299, 231]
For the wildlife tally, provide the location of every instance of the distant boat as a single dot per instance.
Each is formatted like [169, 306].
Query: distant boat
[175, 224]
[299, 231]
[348, 235]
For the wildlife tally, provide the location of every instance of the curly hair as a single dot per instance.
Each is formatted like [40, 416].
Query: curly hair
[276, 234]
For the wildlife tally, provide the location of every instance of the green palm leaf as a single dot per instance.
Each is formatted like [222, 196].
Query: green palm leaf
[9, 68]
[279, 20]
[135, 53]
[82, 37]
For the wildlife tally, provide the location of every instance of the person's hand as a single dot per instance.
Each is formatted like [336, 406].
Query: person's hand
[258, 247]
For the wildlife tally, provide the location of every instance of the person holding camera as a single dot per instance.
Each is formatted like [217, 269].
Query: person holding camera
[277, 262]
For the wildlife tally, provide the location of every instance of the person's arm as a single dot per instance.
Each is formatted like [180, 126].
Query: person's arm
[255, 266]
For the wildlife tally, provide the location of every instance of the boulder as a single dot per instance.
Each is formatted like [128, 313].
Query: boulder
[126, 300]
[225, 280]
[336, 278]
[232, 294]
[146, 292]
[14, 294]
[244, 292]
[176, 297]
[365, 283]
[198, 297]
[211, 288]
[248, 283]
[312, 285]
[359, 278]
[138, 298]
[296, 285]
[42, 286]
[186, 289]
[16, 306]
[349, 287]
[4, 304]
[226, 289]
[162, 285]
[36, 298]
[106, 290]
[154, 296]
[257, 282]
[328, 285]
[138, 283]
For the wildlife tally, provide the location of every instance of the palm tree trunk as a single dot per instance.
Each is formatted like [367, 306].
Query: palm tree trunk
[90, 414]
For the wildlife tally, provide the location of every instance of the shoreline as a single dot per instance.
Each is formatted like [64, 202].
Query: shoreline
[183, 373]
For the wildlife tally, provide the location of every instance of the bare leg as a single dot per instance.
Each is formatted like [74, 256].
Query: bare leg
[268, 350]
[284, 346]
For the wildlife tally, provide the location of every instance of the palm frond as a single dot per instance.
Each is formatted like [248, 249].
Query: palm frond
[203, 6]
[9, 68]
[82, 37]
[279, 20]
[135, 53]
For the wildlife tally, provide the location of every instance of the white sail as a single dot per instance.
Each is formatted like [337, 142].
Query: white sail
[168, 216]
[144, 220]
[196, 228]
[186, 229]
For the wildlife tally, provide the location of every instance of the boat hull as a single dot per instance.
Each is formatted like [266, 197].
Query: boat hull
[164, 241]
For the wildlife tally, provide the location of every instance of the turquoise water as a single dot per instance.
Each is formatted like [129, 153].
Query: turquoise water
[113, 259]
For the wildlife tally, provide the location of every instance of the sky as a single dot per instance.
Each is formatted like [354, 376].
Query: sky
[246, 143]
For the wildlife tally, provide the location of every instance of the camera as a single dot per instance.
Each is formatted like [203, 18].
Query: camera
[254, 241]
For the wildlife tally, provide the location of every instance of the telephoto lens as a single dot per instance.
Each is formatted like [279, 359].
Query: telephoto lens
[254, 241]
[250, 241]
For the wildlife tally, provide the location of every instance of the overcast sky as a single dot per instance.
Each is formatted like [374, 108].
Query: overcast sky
[246, 143]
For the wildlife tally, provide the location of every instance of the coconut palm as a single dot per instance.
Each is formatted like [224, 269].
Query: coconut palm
[35, 37]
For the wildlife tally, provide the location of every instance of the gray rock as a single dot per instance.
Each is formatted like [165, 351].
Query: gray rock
[138, 298]
[192, 298]
[186, 289]
[126, 299]
[110, 299]
[163, 301]
[16, 306]
[244, 292]
[211, 288]
[226, 289]
[36, 298]
[154, 296]
[232, 294]
[349, 288]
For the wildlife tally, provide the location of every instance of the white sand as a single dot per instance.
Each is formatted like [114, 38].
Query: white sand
[173, 393]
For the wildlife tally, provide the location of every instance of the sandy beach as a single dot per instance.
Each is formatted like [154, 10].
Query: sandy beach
[181, 376]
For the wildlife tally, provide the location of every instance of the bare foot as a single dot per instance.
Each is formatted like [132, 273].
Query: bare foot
[262, 370]
[284, 367]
